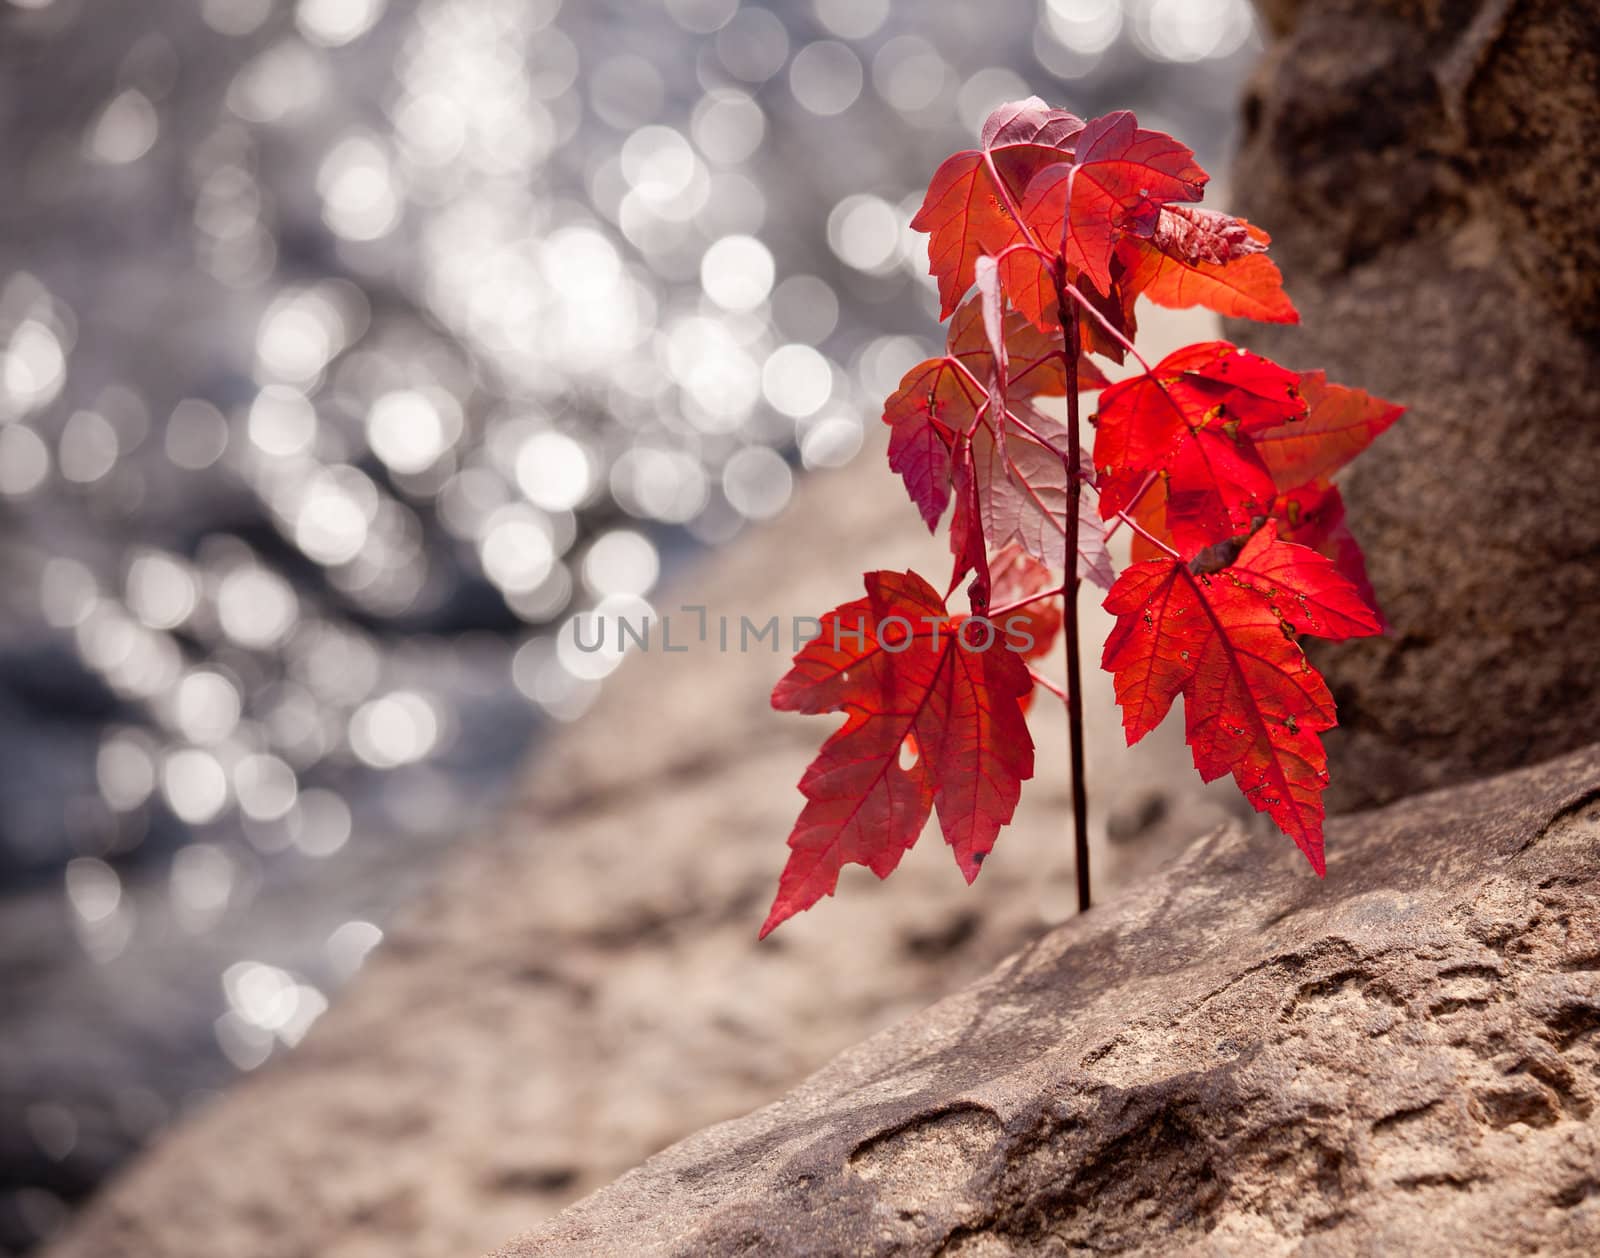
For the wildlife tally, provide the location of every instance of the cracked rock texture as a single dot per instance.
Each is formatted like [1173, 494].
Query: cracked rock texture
[1235, 1058]
[1428, 173]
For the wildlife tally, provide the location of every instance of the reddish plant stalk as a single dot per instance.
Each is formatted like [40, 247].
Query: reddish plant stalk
[1071, 349]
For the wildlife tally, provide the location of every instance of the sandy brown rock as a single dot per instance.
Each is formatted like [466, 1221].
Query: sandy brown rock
[1428, 174]
[1232, 1059]
[586, 987]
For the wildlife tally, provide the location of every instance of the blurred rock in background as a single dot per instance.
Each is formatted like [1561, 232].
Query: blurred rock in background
[1430, 176]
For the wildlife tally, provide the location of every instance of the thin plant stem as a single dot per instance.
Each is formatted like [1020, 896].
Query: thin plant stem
[1069, 591]
[1020, 603]
[1147, 535]
[1126, 514]
[1041, 680]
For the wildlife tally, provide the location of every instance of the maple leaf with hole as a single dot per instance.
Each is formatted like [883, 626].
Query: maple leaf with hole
[1226, 641]
[1192, 423]
[933, 723]
[1120, 177]
[1202, 258]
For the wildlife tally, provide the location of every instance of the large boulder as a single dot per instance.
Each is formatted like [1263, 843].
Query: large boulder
[1428, 175]
[1232, 1058]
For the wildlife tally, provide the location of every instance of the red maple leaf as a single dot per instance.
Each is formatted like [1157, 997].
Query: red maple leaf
[936, 403]
[973, 200]
[1125, 228]
[1301, 456]
[940, 398]
[1192, 422]
[1120, 177]
[1339, 424]
[1022, 493]
[1029, 121]
[934, 722]
[948, 409]
[1226, 641]
[968, 542]
[1313, 515]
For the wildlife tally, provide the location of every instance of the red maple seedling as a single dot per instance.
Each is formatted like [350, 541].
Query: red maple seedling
[1218, 461]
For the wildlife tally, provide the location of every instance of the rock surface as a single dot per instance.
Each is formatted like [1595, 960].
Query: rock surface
[587, 988]
[1235, 1058]
[1427, 172]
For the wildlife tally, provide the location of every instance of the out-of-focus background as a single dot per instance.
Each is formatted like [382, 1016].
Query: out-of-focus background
[349, 349]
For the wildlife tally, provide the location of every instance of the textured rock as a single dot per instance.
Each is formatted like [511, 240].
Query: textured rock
[1234, 1058]
[1427, 171]
[586, 987]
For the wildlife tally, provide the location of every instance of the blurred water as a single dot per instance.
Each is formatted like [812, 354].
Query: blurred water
[348, 349]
